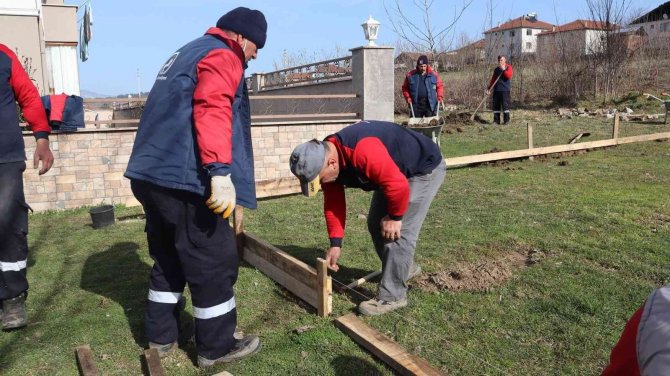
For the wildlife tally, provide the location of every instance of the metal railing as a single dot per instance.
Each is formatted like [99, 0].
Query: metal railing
[315, 73]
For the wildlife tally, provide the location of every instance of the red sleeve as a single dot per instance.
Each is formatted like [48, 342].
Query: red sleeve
[405, 88]
[440, 88]
[219, 74]
[371, 157]
[335, 211]
[623, 360]
[27, 96]
[508, 72]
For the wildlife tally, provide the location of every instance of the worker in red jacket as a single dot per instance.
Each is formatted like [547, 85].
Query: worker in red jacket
[16, 86]
[501, 84]
[644, 346]
[404, 169]
[423, 89]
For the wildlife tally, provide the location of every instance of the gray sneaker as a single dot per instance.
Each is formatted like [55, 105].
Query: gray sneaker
[244, 347]
[414, 271]
[376, 307]
[14, 312]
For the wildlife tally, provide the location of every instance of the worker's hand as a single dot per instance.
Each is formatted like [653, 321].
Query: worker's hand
[332, 255]
[222, 200]
[488, 92]
[390, 229]
[43, 153]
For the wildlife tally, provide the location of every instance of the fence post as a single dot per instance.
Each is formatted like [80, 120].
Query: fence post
[373, 81]
[615, 127]
[530, 138]
[257, 81]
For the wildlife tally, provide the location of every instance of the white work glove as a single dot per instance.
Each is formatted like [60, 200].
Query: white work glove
[222, 200]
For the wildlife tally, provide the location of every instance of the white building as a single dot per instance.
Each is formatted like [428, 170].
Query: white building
[515, 37]
[577, 38]
[43, 34]
[655, 23]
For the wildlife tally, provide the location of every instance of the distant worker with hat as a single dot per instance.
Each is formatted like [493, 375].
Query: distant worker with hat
[404, 169]
[423, 89]
[191, 163]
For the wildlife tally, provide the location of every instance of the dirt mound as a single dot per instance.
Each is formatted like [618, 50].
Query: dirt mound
[480, 276]
[464, 117]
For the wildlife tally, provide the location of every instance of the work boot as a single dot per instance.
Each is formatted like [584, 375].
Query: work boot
[185, 334]
[376, 307]
[506, 118]
[244, 347]
[14, 312]
[496, 119]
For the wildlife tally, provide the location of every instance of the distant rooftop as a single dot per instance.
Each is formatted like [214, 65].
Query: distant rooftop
[529, 21]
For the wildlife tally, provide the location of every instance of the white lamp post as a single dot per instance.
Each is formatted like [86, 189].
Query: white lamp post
[371, 28]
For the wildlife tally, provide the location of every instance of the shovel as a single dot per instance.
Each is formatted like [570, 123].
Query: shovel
[472, 118]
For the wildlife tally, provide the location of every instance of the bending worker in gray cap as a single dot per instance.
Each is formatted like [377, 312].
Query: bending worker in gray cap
[194, 143]
[404, 169]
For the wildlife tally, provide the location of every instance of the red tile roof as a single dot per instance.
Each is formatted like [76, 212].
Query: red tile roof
[520, 22]
[578, 25]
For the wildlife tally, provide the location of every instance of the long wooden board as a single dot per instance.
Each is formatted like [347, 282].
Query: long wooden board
[282, 260]
[461, 161]
[85, 361]
[153, 362]
[384, 348]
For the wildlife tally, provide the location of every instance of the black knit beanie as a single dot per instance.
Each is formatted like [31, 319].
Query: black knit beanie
[248, 22]
[423, 59]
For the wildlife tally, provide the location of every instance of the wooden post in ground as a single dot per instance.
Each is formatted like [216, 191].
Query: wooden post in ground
[530, 138]
[324, 288]
[615, 127]
[238, 225]
[153, 362]
[85, 361]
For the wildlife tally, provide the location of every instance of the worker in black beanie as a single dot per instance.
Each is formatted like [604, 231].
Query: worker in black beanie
[192, 162]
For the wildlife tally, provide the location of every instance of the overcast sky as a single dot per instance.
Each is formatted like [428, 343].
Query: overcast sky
[131, 35]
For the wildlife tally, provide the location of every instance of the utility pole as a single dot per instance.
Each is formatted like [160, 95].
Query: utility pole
[139, 87]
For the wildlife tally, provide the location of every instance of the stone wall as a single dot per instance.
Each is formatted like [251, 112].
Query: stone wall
[89, 164]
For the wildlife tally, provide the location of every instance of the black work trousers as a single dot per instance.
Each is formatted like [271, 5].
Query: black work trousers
[422, 108]
[501, 101]
[13, 231]
[189, 244]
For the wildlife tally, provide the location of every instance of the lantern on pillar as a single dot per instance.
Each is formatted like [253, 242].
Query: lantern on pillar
[371, 28]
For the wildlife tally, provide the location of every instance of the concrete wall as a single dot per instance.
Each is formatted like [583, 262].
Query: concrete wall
[89, 164]
[60, 24]
[27, 41]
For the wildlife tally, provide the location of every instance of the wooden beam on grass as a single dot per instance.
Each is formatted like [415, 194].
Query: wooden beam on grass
[85, 361]
[153, 362]
[282, 260]
[277, 187]
[384, 348]
[325, 289]
[470, 159]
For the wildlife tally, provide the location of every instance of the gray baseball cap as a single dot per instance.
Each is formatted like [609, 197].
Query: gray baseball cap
[306, 163]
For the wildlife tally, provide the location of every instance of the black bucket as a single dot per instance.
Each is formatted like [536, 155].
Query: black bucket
[102, 216]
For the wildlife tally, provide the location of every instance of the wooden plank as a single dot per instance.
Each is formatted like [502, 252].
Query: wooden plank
[529, 129]
[384, 348]
[460, 161]
[296, 287]
[299, 116]
[615, 127]
[238, 225]
[304, 96]
[153, 362]
[324, 289]
[277, 187]
[85, 361]
[282, 260]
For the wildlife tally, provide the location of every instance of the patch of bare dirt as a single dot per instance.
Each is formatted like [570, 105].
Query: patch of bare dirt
[479, 276]
[464, 117]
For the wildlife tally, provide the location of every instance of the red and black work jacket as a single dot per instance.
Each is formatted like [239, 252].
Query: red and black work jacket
[376, 155]
[16, 86]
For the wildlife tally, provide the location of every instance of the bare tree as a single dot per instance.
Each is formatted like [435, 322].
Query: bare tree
[612, 52]
[424, 33]
[291, 59]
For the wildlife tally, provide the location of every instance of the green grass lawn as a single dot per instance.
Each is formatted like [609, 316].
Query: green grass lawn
[597, 225]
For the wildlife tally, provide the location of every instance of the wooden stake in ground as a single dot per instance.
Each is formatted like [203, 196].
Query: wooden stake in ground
[85, 361]
[238, 225]
[384, 348]
[615, 127]
[529, 129]
[153, 362]
[325, 288]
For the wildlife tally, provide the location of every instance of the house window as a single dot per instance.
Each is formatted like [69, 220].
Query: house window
[529, 32]
[529, 46]
[652, 26]
[664, 26]
[512, 33]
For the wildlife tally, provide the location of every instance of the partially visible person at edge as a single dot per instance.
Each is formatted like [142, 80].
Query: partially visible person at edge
[404, 169]
[191, 163]
[423, 89]
[644, 346]
[16, 86]
[502, 79]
